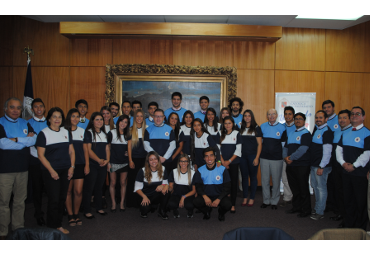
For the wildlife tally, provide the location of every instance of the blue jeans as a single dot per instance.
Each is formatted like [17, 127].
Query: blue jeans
[318, 183]
[248, 169]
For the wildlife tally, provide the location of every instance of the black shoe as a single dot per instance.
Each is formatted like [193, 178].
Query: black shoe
[176, 213]
[102, 213]
[292, 211]
[190, 214]
[303, 215]
[232, 211]
[264, 205]
[221, 217]
[341, 225]
[207, 216]
[113, 210]
[40, 221]
[162, 214]
[273, 207]
[144, 215]
[337, 217]
[89, 217]
[122, 210]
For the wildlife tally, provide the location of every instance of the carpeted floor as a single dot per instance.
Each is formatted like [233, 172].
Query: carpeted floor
[129, 226]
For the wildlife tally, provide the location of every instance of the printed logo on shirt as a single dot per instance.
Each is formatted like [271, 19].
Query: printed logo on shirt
[357, 139]
[218, 178]
[25, 131]
[166, 134]
[278, 133]
[240, 123]
[65, 137]
[234, 139]
[336, 126]
[298, 138]
[318, 136]
[81, 136]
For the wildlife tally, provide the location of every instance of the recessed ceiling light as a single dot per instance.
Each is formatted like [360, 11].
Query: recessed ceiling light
[332, 17]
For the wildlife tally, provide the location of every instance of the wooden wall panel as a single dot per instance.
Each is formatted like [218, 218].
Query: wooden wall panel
[301, 49]
[302, 81]
[348, 90]
[6, 84]
[51, 84]
[50, 48]
[88, 83]
[131, 51]
[203, 53]
[348, 50]
[6, 43]
[161, 52]
[91, 52]
[254, 55]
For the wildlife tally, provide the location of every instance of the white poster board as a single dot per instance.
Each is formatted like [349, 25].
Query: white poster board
[301, 102]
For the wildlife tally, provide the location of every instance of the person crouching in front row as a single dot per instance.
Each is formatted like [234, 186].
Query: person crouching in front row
[212, 184]
[152, 186]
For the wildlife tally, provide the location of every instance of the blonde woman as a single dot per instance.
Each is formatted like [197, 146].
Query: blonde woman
[152, 186]
[136, 156]
[182, 187]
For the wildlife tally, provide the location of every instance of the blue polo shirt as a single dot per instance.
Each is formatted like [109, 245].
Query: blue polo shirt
[273, 136]
[179, 112]
[238, 120]
[321, 135]
[333, 123]
[296, 139]
[213, 179]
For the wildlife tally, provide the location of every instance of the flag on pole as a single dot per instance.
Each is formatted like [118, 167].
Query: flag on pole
[28, 93]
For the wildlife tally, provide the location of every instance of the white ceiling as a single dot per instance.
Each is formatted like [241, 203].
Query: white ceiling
[263, 20]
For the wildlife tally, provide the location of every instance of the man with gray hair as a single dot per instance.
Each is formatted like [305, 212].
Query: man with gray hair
[16, 136]
[273, 137]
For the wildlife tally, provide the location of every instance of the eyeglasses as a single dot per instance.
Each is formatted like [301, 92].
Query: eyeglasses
[184, 161]
[356, 113]
[298, 119]
[158, 117]
[271, 114]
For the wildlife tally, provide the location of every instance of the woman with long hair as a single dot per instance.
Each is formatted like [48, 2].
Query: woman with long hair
[231, 147]
[57, 155]
[173, 121]
[210, 122]
[108, 118]
[119, 140]
[181, 187]
[187, 123]
[99, 154]
[223, 113]
[201, 139]
[136, 156]
[152, 186]
[251, 150]
[82, 167]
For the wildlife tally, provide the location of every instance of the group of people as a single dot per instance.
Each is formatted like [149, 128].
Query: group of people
[176, 158]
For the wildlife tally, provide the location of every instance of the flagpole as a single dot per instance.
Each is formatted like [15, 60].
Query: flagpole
[28, 89]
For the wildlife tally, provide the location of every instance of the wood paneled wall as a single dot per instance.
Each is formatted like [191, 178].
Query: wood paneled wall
[333, 63]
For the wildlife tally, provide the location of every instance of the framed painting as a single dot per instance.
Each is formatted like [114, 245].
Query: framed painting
[147, 83]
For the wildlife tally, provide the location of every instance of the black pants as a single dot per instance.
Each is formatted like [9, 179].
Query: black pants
[233, 172]
[174, 201]
[56, 191]
[131, 199]
[337, 173]
[93, 185]
[37, 183]
[298, 182]
[355, 201]
[155, 199]
[223, 207]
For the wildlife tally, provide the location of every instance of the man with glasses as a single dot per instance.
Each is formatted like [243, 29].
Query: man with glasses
[16, 136]
[344, 118]
[353, 153]
[160, 138]
[273, 137]
[320, 152]
[297, 158]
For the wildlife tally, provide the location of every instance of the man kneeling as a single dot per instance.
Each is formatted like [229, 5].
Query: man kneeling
[213, 185]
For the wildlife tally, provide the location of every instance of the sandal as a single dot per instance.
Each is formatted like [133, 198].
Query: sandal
[71, 221]
[78, 220]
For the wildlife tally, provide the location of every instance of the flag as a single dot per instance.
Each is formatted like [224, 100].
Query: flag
[28, 93]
